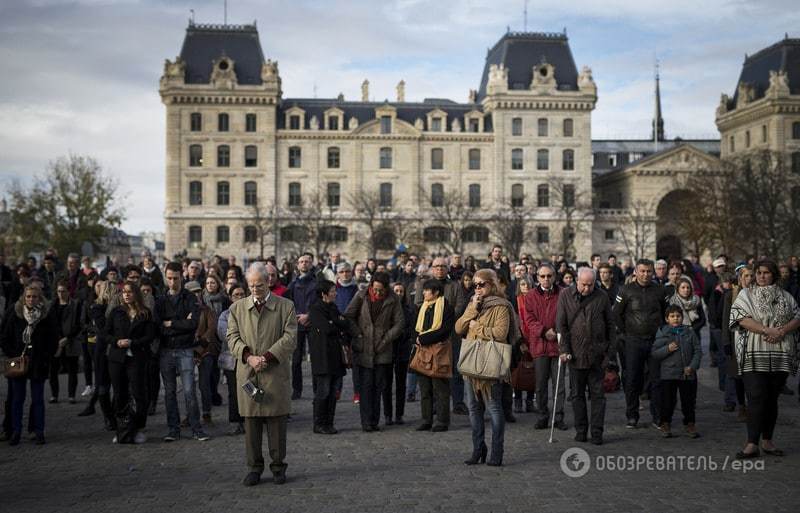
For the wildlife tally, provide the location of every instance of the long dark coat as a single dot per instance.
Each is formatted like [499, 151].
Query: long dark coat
[325, 339]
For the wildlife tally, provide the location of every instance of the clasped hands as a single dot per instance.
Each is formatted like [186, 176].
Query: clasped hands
[258, 363]
[773, 335]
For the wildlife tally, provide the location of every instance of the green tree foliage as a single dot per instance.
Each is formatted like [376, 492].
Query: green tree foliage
[75, 202]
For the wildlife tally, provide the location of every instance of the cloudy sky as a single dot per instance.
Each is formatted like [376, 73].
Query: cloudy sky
[82, 76]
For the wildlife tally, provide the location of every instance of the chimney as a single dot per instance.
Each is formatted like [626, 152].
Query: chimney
[401, 91]
[365, 90]
[473, 96]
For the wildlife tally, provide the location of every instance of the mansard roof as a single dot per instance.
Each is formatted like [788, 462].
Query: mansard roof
[365, 111]
[782, 56]
[205, 43]
[519, 52]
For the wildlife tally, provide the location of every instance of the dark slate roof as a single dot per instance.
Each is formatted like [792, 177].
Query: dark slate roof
[521, 51]
[204, 43]
[783, 55]
[602, 148]
[365, 111]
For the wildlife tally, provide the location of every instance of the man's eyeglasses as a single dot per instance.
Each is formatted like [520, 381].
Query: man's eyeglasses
[545, 276]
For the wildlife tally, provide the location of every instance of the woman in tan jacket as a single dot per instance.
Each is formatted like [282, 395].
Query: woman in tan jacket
[489, 316]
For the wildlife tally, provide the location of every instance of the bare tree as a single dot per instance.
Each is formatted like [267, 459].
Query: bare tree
[263, 217]
[509, 228]
[637, 228]
[378, 218]
[310, 225]
[453, 213]
[574, 209]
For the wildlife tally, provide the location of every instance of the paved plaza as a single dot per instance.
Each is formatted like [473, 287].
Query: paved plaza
[399, 469]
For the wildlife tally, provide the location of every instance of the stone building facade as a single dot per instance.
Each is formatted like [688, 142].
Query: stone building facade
[238, 153]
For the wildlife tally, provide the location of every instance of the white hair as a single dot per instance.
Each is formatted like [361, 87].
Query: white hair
[586, 270]
[258, 268]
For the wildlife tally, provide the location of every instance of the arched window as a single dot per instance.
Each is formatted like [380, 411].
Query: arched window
[516, 126]
[568, 160]
[334, 194]
[223, 234]
[196, 193]
[223, 193]
[437, 195]
[223, 155]
[195, 235]
[333, 233]
[542, 127]
[437, 158]
[222, 122]
[516, 159]
[195, 155]
[436, 234]
[385, 195]
[295, 199]
[474, 195]
[474, 159]
[475, 234]
[386, 158]
[250, 193]
[543, 195]
[250, 156]
[250, 234]
[196, 122]
[568, 127]
[517, 195]
[295, 156]
[333, 156]
[542, 160]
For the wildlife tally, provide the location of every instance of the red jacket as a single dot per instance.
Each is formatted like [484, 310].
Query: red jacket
[540, 316]
[279, 290]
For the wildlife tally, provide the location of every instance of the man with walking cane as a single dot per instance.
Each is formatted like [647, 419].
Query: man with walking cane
[584, 326]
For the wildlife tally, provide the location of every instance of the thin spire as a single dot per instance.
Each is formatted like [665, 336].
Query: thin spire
[525, 14]
[658, 122]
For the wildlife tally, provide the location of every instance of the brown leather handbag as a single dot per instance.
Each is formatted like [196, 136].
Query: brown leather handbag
[434, 361]
[524, 376]
[18, 366]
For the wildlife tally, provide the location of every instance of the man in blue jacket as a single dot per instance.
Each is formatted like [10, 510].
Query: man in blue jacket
[302, 291]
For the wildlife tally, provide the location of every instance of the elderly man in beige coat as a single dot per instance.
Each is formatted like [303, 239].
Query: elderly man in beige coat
[262, 334]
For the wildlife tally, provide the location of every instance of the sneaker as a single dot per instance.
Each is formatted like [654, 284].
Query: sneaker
[172, 437]
[140, 438]
[691, 431]
[89, 390]
[666, 432]
[356, 398]
[201, 436]
[656, 425]
[114, 440]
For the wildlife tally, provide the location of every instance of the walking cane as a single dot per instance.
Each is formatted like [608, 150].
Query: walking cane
[555, 392]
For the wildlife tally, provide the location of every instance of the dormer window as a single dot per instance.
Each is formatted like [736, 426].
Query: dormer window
[386, 124]
[333, 123]
[474, 125]
[295, 118]
[333, 119]
[436, 125]
[294, 122]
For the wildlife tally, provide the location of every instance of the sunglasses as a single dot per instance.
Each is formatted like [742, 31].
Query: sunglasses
[545, 276]
[479, 284]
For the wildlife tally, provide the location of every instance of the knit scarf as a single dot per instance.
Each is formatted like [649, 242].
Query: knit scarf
[438, 314]
[32, 318]
[484, 386]
[214, 301]
[375, 303]
[689, 307]
[772, 299]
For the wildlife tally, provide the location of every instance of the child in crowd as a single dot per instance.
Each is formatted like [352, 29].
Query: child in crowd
[677, 349]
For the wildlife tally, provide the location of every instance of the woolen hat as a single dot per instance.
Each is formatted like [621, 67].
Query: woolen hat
[193, 286]
[720, 262]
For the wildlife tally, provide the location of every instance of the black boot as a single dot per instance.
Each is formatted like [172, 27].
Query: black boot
[331, 413]
[319, 417]
[108, 411]
[478, 456]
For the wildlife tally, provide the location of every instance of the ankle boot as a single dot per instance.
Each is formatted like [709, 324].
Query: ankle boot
[478, 456]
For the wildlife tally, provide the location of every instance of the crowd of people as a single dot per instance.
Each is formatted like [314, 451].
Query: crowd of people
[584, 329]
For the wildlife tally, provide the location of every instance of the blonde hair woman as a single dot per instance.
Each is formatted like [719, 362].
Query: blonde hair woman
[489, 316]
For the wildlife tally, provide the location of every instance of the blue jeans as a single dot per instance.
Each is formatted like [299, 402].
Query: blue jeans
[411, 383]
[175, 362]
[457, 382]
[17, 393]
[494, 405]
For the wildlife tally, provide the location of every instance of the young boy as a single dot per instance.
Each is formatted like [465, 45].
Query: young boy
[677, 348]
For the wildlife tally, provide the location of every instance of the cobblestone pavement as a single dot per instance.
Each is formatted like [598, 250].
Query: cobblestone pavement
[397, 469]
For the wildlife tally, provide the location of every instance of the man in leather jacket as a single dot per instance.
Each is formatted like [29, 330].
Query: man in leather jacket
[638, 312]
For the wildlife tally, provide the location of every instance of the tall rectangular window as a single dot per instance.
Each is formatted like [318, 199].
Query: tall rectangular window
[796, 130]
[543, 196]
[516, 126]
[196, 122]
[747, 139]
[386, 158]
[385, 195]
[517, 195]
[568, 199]
[195, 155]
[437, 195]
[195, 235]
[568, 127]
[542, 160]
[223, 155]
[732, 144]
[250, 156]
[436, 124]
[195, 193]
[437, 158]
[223, 122]
[796, 162]
[333, 123]
[250, 123]
[334, 194]
[295, 157]
[250, 193]
[516, 159]
[474, 195]
[474, 158]
[542, 235]
[763, 133]
[474, 125]
[295, 200]
[386, 124]
[333, 157]
[294, 122]
[223, 234]
[568, 160]
[542, 127]
[223, 193]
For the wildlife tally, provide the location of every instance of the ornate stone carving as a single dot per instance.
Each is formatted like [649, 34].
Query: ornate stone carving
[365, 90]
[586, 82]
[174, 72]
[722, 108]
[473, 96]
[456, 125]
[544, 77]
[778, 84]
[747, 93]
[352, 124]
[223, 75]
[401, 91]
[498, 79]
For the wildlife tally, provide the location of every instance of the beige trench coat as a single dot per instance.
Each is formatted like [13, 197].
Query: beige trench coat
[273, 330]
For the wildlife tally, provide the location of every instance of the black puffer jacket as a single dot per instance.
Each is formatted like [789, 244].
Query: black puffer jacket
[639, 311]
